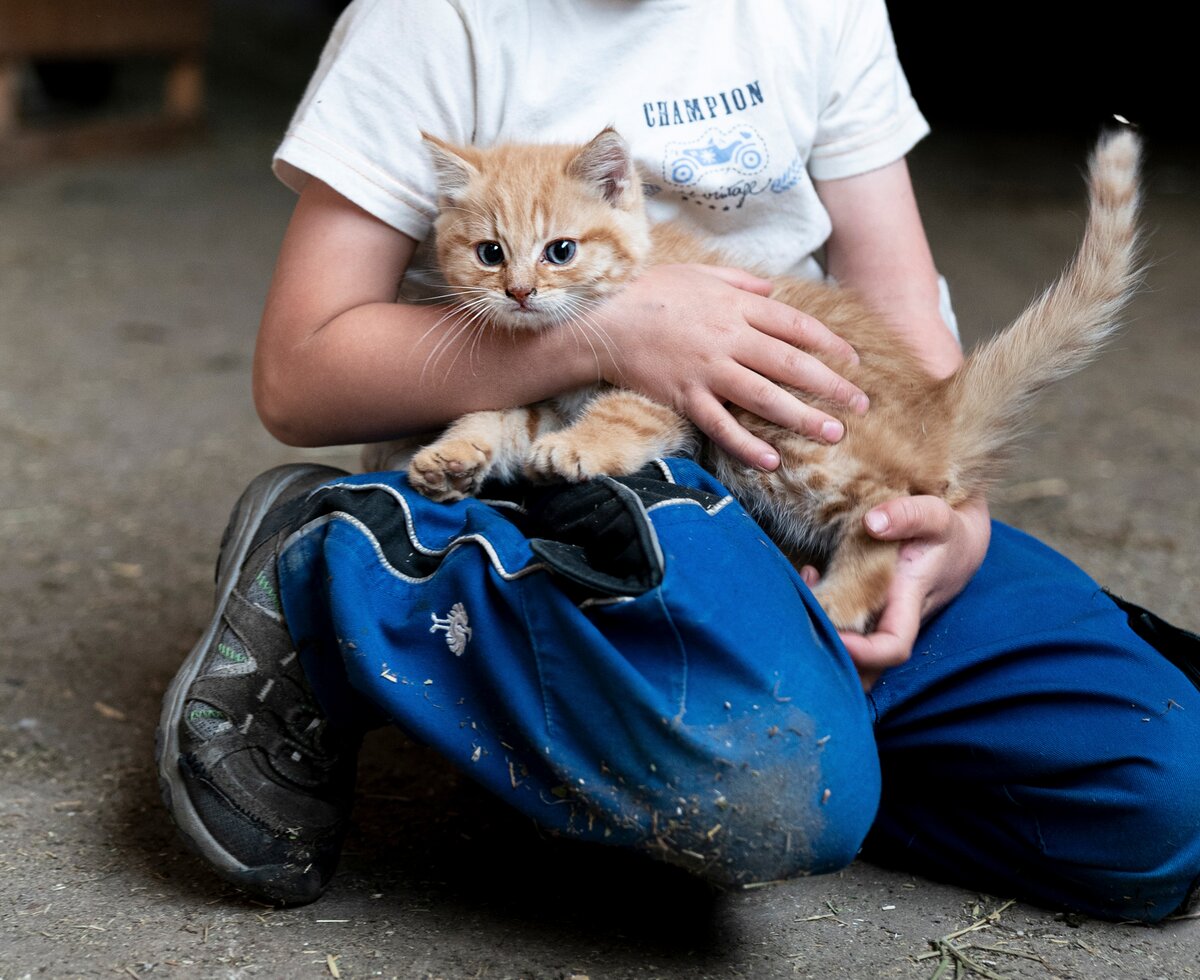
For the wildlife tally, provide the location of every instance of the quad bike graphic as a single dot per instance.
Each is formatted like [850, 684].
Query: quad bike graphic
[744, 153]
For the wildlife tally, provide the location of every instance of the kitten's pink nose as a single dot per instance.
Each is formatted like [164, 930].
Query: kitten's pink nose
[520, 293]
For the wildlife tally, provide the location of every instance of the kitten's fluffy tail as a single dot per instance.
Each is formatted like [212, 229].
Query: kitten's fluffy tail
[1059, 333]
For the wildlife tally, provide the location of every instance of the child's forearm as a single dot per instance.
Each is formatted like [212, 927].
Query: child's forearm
[383, 370]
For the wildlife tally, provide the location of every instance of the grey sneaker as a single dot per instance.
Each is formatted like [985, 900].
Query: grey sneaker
[257, 780]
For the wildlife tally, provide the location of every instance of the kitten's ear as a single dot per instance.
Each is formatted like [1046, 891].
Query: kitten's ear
[454, 171]
[607, 165]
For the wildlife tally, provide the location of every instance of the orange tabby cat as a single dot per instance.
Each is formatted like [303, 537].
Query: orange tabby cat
[533, 237]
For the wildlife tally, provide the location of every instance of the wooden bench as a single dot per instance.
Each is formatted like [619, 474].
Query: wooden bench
[175, 31]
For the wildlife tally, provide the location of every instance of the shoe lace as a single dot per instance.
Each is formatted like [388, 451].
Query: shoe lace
[302, 733]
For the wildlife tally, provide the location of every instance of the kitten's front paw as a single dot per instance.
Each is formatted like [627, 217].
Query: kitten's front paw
[563, 456]
[450, 470]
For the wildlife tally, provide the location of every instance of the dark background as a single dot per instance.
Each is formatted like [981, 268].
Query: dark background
[1024, 67]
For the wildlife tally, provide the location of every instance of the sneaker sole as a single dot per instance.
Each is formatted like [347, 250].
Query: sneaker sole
[247, 516]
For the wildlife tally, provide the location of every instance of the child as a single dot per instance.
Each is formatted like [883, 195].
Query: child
[585, 652]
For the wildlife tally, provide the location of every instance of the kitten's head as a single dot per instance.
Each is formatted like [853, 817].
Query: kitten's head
[532, 236]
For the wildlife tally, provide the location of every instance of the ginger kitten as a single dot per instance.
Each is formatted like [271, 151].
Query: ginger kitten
[535, 237]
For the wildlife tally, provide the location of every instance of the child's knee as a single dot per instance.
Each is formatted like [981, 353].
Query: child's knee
[747, 805]
[1154, 833]
[762, 825]
[1115, 834]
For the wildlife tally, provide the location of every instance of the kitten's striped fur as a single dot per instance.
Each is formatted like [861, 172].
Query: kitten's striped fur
[948, 438]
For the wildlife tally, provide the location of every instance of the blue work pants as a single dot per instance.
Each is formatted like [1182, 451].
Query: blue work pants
[633, 662]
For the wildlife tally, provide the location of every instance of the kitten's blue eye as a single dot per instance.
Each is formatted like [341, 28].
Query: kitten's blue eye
[560, 252]
[489, 253]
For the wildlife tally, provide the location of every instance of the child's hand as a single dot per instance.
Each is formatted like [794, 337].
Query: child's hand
[696, 337]
[942, 548]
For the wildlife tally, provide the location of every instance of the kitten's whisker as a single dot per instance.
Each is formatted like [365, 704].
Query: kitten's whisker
[463, 317]
[443, 345]
[478, 328]
[456, 294]
[458, 353]
[475, 344]
[450, 315]
[453, 318]
[584, 315]
[566, 315]
[595, 322]
[474, 323]
[579, 330]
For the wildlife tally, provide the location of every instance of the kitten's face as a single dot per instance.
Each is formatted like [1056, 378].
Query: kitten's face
[530, 237]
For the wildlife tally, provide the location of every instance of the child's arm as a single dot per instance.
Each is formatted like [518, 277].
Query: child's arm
[879, 248]
[339, 361]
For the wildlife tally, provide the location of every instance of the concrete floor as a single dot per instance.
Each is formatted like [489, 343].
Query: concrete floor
[129, 296]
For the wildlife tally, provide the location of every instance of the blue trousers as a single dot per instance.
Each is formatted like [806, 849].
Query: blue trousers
[633, 662]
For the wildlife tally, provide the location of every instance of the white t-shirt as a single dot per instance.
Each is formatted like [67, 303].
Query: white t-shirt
[731, 107]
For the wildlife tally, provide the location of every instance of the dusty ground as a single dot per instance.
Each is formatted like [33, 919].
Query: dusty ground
[129, 294]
